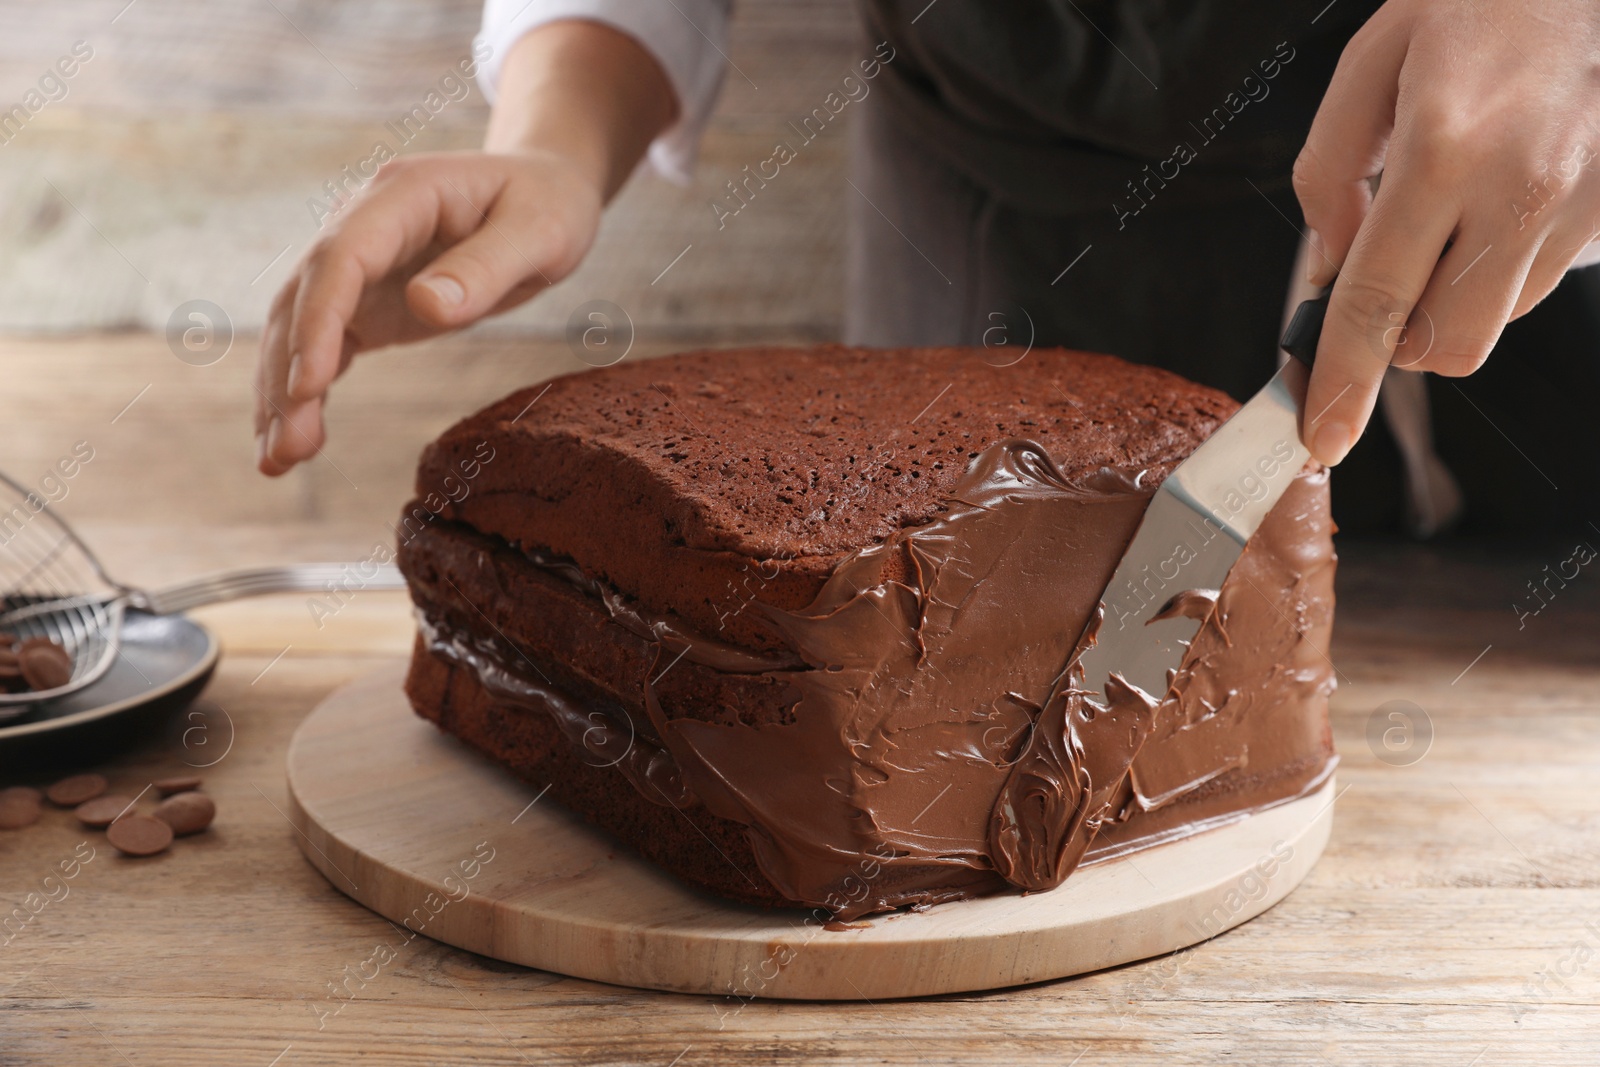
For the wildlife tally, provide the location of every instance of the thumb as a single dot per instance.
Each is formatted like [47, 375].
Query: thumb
[1347, 144]
[515, 245]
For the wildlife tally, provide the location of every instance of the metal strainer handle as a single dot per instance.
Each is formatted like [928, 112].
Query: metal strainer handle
[257, 581]
[90, 626]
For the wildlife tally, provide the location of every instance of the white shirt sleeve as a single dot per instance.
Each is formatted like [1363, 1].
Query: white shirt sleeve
[687, 37]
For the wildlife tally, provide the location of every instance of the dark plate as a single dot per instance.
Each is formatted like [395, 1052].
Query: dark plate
[166, 660]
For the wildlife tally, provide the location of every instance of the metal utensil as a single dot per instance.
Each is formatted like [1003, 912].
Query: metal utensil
[53, 586]
[1199, 520]
[162, 662]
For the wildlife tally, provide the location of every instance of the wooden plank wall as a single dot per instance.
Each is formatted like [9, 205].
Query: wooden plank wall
[179, 162]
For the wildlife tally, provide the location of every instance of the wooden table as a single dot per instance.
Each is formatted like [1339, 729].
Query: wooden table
[1455, 918]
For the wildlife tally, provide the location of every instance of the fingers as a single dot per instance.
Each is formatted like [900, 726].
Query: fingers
[517, 242]
[308, 342]
[394, 222]
[1347, 142]
[1387, 270]
[1546, 273]
[272, 367]
[509, 225]
[296, 434]
[1473, 293]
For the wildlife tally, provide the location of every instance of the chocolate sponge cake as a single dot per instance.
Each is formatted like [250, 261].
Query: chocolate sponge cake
[802, 625]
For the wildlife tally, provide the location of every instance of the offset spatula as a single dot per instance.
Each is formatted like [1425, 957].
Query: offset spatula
[1199, 520]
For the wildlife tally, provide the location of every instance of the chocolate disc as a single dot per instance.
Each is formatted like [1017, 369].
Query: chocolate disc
[18, 811]
[46, 666]
[182, 783]
[102, 811]
[139, 835]
[21, 791]
[186, 813]
[70, 792]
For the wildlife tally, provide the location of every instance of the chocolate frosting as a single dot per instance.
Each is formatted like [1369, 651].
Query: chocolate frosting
[1058, 795]
[931, 688]
[940, 745]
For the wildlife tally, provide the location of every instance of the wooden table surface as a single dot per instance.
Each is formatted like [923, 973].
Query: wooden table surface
[1455, 918]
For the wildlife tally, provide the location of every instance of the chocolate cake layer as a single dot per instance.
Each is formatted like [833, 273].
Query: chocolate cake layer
[912, 731]
[701, 482]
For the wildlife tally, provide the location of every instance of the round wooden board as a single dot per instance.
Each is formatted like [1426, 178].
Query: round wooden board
[429, 834]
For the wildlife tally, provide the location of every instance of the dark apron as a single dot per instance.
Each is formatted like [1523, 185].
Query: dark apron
[1114, 176]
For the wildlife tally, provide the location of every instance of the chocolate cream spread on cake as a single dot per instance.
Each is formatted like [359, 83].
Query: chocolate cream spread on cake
[936, 743]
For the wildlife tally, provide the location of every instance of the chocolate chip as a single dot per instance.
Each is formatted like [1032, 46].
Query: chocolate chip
[103, 811]
[70, 792]
[139, 835]
[17, 811]
[182, 783]
[46, 666]
[186, 813]
[10, 668]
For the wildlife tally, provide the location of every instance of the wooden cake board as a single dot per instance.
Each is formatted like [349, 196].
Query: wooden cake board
[429, 834]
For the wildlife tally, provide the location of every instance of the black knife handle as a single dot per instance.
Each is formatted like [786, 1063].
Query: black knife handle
[1305, 329]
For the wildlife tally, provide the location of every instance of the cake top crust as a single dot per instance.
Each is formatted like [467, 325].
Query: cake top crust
[792, 452]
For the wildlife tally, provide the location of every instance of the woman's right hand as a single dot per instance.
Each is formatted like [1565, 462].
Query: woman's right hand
[435, 243]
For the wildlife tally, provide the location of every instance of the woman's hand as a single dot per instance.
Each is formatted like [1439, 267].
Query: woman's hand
[1483, 117]
[436, 242]
[439, 241]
